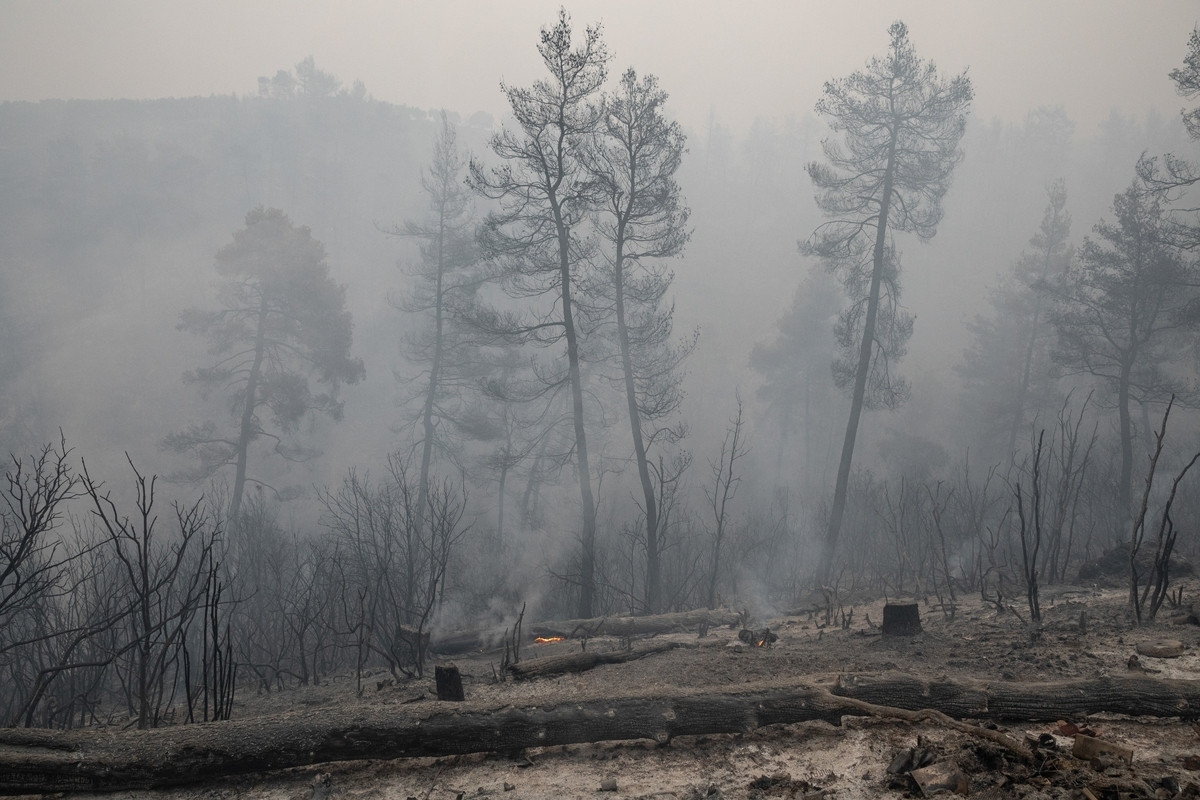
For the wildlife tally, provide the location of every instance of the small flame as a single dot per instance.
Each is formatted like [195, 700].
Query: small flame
[548, 639]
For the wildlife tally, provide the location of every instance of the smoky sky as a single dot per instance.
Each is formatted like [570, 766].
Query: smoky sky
[737, 61]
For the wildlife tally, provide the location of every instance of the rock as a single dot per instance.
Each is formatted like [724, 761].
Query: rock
[608, 785]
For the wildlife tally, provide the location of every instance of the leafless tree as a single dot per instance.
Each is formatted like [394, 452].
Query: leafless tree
[1071, 457]
[32, 560]
[164, 582]
[1030, 519]
[54, 616]
[395, 569]
[725, 482]
[1155, 589]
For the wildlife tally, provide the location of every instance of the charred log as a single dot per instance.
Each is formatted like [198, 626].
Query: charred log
[459, 642]
[1029, 701]
[105, 760]
[583, 661]
[636, 626]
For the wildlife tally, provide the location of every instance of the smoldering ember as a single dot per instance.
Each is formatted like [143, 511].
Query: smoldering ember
[785, 400]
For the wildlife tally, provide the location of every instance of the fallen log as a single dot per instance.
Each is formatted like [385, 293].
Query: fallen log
[636, 626]
[112, 760]
[101, 760]
[582, 661]
[459, 642]
[1029, 701]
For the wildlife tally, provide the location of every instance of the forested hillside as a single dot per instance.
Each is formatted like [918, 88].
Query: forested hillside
[139, 238]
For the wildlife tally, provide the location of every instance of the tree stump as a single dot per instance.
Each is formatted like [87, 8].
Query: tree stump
[449, 682]
[901, 619]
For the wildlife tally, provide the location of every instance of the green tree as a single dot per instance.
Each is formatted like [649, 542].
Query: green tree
[901, 125]
[536, 237]
[1008, 375]
[642, 220]
[1121, 311]
[282, 320]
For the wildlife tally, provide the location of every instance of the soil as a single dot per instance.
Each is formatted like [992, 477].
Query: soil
[808, 760]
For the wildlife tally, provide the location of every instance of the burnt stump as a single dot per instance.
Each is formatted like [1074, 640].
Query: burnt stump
[449, 682]
[901, 619]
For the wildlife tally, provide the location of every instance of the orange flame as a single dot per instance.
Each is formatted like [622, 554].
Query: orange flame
[548, 639]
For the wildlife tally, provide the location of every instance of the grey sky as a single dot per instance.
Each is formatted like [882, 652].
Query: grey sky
[743, 60]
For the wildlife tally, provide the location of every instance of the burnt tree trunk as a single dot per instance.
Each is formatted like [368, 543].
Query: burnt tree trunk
[581, 662]
[107, 760]
[1029, 701]
[448, 681]
[901, 619]
[635, 626]
[458, 642]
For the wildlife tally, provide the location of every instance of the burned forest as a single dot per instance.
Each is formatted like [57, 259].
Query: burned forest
[819, 417]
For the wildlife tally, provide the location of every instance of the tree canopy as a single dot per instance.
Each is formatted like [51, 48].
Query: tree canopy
[545, 195]
[281, 320]
[900, 125]
[1121, 309]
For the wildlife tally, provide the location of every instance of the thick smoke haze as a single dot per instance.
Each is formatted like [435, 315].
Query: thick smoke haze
[742, 81]
[146, 146]
[737, 61]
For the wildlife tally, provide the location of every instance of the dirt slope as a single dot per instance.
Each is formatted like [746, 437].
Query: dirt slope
[807, 760]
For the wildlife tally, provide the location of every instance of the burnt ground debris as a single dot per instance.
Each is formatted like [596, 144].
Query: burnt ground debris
[975, 641]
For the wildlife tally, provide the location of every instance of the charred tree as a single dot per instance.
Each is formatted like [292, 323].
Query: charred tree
[44, 761]
[901, 125]
[545, 196]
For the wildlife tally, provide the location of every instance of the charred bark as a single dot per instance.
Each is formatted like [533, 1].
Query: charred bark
[582, 661]
[635, 626]
[460, 642]
[107, 760]
[1030, 701]
[901, 619]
